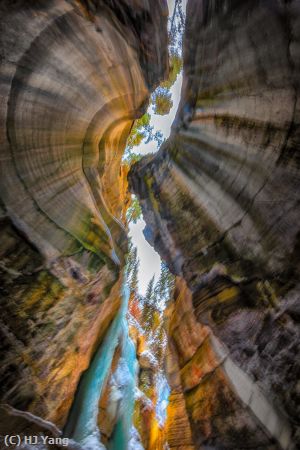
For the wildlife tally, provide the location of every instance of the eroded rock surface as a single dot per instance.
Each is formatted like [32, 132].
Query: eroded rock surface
[74, 75]
[216, 404]
[221, 203]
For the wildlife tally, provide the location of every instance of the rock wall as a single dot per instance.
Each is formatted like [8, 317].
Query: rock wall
[221, 203]
[74, 75]
[217, 405]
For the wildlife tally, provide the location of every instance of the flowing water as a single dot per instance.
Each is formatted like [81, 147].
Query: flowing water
[124, 380]
[82, 423]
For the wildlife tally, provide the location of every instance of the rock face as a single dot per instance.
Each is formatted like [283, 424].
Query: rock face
[237, 122]
[213, 402]
[74, 75]
[221, 203]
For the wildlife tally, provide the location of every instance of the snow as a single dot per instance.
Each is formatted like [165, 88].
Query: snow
[135, 440]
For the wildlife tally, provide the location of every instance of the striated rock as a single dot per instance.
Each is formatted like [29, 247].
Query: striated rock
[221, 203]
[213, 403]
[74, 75]
[226, 173]
[48, 334]
[71, 88]
[179, 435]
[180, 331]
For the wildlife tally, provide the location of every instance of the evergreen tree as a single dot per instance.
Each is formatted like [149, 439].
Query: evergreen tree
[148, 305]
[134, 212]
[176, 28]
[150, 291]
[132, 268]
[165, 284]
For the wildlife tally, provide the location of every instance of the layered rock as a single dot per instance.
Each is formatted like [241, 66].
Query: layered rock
[221, 203]
[217, 404]
[74, 75]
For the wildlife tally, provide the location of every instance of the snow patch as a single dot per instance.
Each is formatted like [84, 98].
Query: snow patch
[135, 440]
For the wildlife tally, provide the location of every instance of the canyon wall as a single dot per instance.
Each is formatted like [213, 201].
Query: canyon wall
[74, 75]
[221, 203]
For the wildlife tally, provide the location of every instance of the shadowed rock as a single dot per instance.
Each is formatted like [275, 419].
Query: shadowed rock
[74, 75]
[221, 197]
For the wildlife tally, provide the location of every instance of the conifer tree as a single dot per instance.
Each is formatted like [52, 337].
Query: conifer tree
[132, 268]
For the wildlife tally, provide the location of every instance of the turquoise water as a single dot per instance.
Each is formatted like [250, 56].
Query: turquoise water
[82, 423]
[125, 378]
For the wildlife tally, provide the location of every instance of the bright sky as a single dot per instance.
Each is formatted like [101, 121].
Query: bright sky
[149, 259]
[162, 123]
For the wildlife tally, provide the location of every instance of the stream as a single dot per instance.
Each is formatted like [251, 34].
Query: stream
[82, 424]
[125, 380]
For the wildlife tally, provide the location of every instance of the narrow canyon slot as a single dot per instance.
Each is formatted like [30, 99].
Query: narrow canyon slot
[150, 223]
